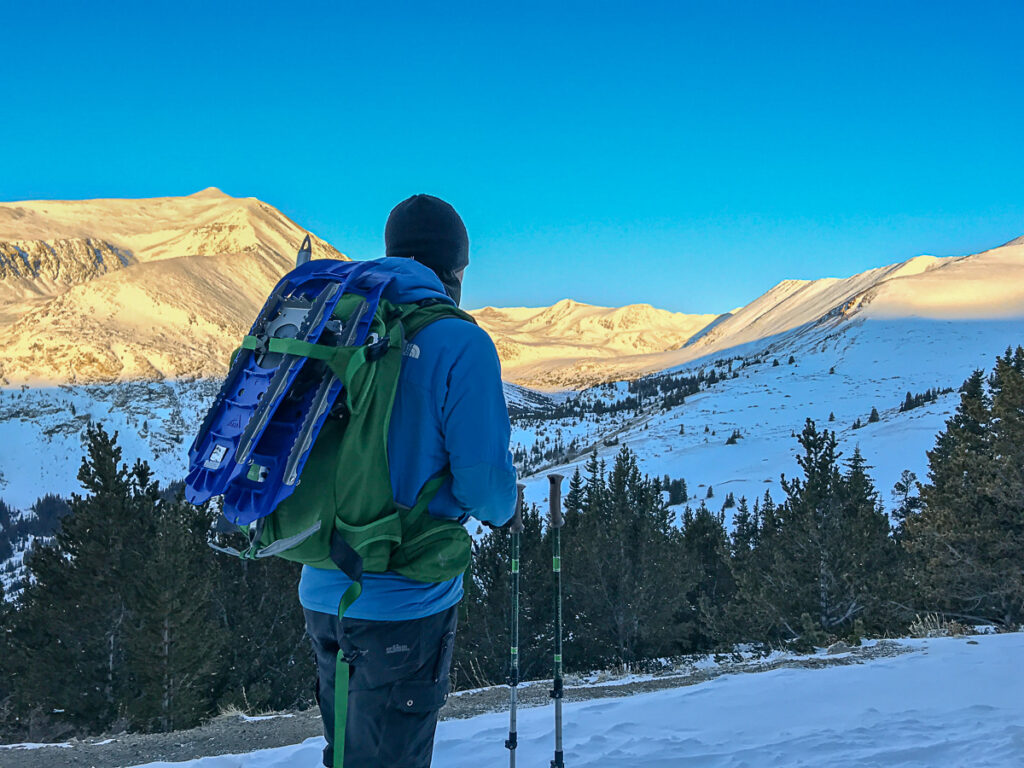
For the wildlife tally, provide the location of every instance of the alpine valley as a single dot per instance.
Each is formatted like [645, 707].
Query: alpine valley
[125, 312]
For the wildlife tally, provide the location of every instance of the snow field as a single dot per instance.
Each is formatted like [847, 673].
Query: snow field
[876, 362]
[949, 702]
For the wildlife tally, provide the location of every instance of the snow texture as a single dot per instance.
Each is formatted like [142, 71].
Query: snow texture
[950, 702]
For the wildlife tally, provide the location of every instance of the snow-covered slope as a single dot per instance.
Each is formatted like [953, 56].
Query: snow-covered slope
[86, 329]
[875, 363]
[948, 702]
[119, 290]
[572, 345]
[858, 343]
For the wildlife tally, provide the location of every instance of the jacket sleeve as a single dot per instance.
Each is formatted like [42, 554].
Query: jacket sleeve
[476, 429]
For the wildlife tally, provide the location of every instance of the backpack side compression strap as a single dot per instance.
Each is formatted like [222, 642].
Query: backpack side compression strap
[351, 564]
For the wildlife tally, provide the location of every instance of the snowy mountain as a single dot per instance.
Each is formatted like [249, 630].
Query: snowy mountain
[857, 343]
[124, 312]
[572, 345]
[97, 291]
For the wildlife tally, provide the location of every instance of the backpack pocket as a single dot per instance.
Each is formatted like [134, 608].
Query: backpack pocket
[373, 541]
[432, 550]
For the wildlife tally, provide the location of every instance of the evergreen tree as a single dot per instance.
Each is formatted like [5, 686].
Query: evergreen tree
[75, 616]
[7, 532]
[267, 663]
[749, 616]
[965, 543]
[869, 565]
[174, 650]
[831, 560]
[7, 718]
[907, 502]
[705, 550]
[48, 511]
[618, 565]
[573, 501]
[874, 417]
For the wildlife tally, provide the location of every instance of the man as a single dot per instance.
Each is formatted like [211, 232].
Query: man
[450, 412]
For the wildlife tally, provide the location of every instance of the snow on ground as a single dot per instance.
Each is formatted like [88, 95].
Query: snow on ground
[951, 702]
[876, 362]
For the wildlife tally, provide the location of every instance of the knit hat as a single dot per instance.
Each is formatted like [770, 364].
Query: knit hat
[428, 229]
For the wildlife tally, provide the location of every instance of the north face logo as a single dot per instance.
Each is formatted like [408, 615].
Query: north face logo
[397, 649]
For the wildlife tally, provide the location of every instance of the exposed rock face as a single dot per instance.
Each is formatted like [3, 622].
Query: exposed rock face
[97, 291]
[31, 268]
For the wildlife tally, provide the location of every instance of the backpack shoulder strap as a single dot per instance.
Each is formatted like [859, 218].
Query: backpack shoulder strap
[416, 317]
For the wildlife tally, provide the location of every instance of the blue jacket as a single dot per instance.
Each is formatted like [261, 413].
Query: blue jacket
[449, 411]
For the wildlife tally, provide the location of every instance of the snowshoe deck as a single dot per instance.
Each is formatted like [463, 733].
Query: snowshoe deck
[254, 441]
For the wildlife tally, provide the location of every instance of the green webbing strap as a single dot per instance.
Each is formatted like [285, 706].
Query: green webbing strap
[341, 675]
[344, 362]
[426, 495]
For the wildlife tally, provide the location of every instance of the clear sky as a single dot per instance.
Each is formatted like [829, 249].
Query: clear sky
[689, 155]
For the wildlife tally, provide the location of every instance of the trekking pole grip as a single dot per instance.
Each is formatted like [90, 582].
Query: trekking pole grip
[517, 518]
[555, 498]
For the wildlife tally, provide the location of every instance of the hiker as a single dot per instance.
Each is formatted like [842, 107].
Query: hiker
[449, 412]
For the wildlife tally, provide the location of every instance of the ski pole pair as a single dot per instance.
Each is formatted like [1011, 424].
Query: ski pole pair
[556, 521]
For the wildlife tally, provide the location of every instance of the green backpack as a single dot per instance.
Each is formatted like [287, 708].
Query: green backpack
[342, 513]
[345, 490]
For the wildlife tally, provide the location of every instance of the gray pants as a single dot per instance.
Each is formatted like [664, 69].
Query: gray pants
[399, 681]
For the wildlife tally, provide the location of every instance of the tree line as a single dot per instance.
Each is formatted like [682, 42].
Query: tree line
[129, 621]
[824, 563]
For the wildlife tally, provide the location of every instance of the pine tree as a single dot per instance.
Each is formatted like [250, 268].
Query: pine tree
[907, 502]
[573, 501]
[74, 617]
[831, 557]
[869, 557]
[705, 549]
[7, 532]
[874, 417]
[965, 542]
[482, 650]
[618, 563]
[267, 664]
[174, 650]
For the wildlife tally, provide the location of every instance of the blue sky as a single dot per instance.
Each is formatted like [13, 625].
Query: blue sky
[689, 155]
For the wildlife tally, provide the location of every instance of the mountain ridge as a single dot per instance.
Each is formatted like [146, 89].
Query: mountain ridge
[103, 290]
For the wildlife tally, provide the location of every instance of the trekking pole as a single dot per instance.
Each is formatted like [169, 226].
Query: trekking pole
[556, 521]
[513, 678]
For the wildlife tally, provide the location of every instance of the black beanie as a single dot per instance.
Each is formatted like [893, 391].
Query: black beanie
[428, 229]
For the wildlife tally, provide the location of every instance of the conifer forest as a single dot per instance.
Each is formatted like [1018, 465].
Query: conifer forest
[127, 620]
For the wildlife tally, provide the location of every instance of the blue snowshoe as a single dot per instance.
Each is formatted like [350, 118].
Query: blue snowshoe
[280, 387]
